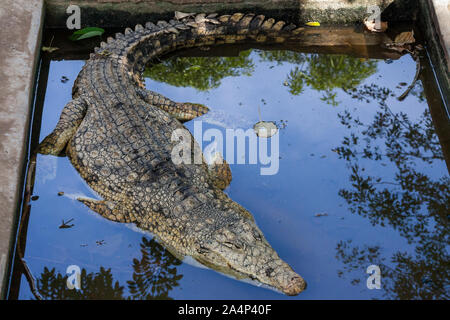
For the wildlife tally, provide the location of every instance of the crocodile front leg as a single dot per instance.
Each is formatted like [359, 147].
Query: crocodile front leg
[182, 111]
[71, 117]
[219, 171]
[109, 209]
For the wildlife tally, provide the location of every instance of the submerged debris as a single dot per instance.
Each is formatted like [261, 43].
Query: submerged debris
[321, 214]
[49, 49]
[66, 225]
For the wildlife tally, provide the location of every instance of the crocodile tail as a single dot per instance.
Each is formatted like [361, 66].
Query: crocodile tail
[135, 48]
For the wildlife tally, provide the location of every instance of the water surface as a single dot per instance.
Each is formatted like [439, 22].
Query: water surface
[361, 181]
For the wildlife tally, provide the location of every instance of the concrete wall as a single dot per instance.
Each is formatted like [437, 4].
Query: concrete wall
[123, 13]
[20, 29]
[434, 22]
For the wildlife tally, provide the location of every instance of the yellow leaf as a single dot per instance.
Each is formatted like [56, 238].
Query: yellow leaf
[49, 49]
[313, 24]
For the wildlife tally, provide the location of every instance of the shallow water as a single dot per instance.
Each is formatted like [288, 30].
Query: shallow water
[361, 182]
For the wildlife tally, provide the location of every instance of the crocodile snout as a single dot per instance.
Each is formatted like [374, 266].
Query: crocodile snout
[295, 286]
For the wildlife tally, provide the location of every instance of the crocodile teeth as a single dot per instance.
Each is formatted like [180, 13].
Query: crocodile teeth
[110, 39]
[128, 30]
[102, 44]
[139, 27]
[119, 36]
[211, 15]
[181, 15]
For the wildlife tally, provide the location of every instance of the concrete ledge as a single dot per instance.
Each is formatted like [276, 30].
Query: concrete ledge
[441, 17]
[125, 13]
[20, 32]
[434, 24]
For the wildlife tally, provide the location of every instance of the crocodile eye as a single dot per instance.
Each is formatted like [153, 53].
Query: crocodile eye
[232, 245]
[202, 250]
[228, 244]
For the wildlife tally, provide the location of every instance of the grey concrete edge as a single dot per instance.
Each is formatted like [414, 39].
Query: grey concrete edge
[436, 48]
[126, 13]
[18, 78]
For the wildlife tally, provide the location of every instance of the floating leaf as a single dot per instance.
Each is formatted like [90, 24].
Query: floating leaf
[265, 129]
[49, 49]
[85, 33]
[313, 24]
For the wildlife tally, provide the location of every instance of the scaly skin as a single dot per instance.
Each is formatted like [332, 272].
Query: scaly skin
[118, 137]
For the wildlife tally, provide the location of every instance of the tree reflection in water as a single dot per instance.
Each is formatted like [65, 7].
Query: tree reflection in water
[154, 276]
[412, 203]
[93, 286]
[321, 72]
[201, 73]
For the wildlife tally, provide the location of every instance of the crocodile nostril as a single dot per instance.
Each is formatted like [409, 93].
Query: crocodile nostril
[295, 286]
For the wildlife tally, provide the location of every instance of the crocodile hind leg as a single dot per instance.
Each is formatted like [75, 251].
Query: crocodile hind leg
[183, 111]
[71, 117]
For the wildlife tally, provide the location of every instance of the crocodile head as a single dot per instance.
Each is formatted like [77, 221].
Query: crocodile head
[240, 250]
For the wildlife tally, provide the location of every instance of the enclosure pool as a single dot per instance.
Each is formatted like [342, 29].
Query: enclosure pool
[361, 180]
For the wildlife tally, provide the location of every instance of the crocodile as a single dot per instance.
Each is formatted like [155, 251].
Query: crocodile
[118, 136]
